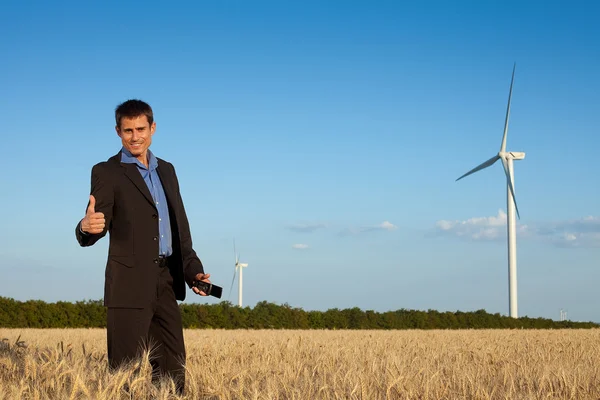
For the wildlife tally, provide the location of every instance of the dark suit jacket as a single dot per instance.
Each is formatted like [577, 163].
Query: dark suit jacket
[132, 221]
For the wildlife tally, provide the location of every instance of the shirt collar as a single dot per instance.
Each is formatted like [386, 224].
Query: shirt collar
[128, 158]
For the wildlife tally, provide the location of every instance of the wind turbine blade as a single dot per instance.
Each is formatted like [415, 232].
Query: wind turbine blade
[510, 185]
[233, 280]
[481, 166]
[503, 145]
[234, 253]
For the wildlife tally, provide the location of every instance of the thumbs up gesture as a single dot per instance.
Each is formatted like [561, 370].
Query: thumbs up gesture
[93, 222]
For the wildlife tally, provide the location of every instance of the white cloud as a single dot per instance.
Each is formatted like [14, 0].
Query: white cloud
[581, 232]
[307, 227]
[300, 246]
[387, 225]
[477, 228]
[384, 226]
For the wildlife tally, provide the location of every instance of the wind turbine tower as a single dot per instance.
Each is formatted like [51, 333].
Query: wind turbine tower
[238, 266]
[507, 158]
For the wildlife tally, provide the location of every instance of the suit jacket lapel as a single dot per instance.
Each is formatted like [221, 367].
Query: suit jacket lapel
[131, 171]
[166, 181]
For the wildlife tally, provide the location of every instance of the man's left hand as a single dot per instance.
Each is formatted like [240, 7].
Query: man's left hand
[203, 278]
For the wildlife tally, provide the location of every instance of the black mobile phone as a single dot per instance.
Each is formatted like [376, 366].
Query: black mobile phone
[209, 288]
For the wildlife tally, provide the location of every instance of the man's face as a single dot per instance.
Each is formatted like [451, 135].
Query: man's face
[136, 135]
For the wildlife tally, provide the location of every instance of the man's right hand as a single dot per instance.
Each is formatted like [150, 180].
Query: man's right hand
[93, 222]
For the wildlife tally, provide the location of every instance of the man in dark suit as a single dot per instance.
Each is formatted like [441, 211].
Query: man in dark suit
[136, 198]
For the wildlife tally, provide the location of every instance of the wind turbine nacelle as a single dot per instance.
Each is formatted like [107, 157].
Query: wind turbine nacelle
[243, 265]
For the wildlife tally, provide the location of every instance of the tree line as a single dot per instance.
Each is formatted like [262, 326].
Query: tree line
[265, 315]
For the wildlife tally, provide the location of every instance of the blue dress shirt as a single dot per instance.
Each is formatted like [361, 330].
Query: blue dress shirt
[158, 195]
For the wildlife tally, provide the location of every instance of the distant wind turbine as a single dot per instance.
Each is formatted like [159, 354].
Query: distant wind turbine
[511, 204]
[238, 265]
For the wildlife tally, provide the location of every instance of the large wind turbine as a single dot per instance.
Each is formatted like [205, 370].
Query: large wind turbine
[238, 265]
[511, 204]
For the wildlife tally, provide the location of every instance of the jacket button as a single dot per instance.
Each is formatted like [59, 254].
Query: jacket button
[154, 216]
[156, 261]
[155, 238]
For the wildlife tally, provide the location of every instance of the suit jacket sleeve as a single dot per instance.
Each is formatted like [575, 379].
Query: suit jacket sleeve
[102, 190]
[191, 263]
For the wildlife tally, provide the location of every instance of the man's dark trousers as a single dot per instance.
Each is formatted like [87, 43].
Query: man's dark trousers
[130, 331]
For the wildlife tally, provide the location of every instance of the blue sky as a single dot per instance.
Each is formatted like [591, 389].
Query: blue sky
[325, 137]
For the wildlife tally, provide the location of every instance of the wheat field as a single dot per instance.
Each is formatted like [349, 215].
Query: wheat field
[276, 364]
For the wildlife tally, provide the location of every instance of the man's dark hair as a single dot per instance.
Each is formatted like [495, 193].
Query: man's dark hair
[133, 108]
